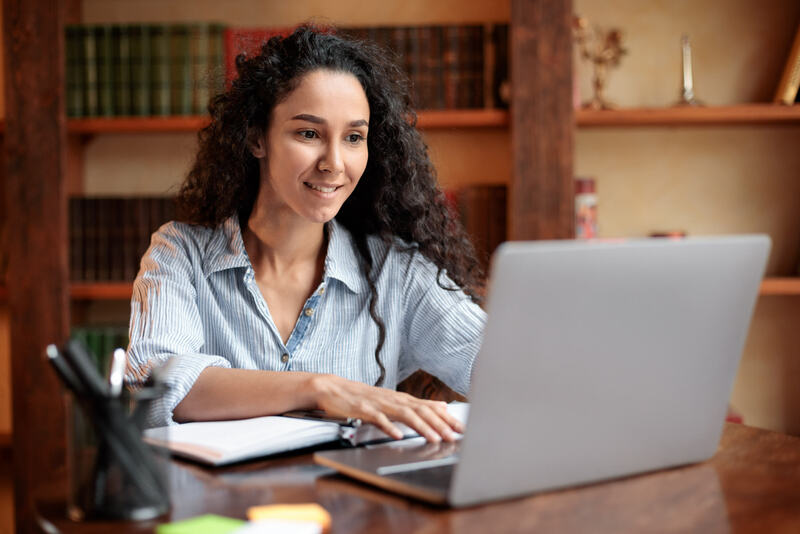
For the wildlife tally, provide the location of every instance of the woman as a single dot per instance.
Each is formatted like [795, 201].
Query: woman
[315, 241]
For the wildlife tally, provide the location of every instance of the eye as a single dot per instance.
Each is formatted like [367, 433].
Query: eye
[355, 138]
[307, 134]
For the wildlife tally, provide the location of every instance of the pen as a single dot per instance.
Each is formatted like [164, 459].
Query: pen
[320, 415]
[117, 372]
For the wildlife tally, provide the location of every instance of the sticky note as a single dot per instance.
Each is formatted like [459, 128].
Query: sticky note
[310, 512]
[204, 524]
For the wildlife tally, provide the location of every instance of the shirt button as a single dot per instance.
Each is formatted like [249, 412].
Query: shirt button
[285, 358]
[309, 312]
[322, 291]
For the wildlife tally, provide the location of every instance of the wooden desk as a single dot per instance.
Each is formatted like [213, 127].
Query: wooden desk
[751, 485]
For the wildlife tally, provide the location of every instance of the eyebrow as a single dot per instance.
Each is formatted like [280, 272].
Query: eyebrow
[320, 120]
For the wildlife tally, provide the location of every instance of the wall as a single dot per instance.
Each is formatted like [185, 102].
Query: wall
[708, 180]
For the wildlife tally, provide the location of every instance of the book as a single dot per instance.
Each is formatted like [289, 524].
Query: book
[121, 70]
[180, 62]
[140, 59]
[88, 37]
[74, 70]
[247, 41]
[105, 75]
[225, 442]
[160, 86]
[789, 86]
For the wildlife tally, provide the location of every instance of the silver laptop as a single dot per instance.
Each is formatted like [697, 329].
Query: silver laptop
[599, 360]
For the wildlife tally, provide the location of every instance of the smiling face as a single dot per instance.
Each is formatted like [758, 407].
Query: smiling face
[315, 148]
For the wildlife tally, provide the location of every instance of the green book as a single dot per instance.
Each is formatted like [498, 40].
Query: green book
[216, 59]
[159, 71]
[120, 38]
[104, 59]
[73, 72]
[90, 71]
[202, 75]
[140, 70]
[180, 70]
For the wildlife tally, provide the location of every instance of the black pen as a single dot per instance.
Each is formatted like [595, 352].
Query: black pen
[320, 415]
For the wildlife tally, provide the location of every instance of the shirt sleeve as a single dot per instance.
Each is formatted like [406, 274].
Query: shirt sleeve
[444, 327]
[165, 321]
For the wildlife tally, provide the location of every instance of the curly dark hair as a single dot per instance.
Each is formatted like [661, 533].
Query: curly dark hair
[398, 194]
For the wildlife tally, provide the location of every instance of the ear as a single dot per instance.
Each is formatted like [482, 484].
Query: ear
[257, 143]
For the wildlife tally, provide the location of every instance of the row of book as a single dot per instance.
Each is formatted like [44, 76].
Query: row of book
[450, 67]
[109, 235]
[142, 69]
[101, 341]
[118, 70]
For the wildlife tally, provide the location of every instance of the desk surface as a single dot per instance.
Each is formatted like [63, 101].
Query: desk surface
[752, 484]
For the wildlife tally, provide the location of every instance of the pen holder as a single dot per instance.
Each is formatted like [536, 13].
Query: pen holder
[112, 473]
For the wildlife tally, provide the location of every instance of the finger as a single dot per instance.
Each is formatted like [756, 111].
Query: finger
[410, 417]
[435, 420]
[450, 419]
[380, 420]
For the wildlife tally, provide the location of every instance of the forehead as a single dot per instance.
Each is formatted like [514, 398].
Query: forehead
[327, 94]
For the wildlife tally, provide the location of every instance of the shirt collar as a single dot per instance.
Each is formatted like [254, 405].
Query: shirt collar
[226, 250]
[342, 261]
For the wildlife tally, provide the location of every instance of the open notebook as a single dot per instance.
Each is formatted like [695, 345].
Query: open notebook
[224, 442]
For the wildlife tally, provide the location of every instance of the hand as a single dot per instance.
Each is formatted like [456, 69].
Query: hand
[380, 406]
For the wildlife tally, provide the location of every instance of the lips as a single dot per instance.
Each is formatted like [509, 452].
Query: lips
[322, 188]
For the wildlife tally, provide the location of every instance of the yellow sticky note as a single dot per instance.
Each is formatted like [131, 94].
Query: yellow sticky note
[310, 512]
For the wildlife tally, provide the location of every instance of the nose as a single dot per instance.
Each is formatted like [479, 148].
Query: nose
[331, 159]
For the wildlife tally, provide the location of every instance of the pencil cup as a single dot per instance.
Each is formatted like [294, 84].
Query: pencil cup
[112, 473]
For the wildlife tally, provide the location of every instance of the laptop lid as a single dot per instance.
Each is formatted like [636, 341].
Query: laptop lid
[604, 359]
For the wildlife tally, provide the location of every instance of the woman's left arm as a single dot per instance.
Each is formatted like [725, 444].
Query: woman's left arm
[444, 327]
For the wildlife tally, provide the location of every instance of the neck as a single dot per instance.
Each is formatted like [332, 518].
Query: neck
[281, 243]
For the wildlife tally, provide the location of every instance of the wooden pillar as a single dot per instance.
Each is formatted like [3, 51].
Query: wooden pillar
[541, 200]
[36, 209]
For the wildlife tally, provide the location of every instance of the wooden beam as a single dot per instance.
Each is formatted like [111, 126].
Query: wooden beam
[36, 208]
[541, 203]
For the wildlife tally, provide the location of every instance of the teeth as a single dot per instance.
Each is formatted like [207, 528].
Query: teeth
[321, 188]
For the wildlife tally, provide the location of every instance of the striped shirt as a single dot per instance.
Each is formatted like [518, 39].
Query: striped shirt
[196, 301]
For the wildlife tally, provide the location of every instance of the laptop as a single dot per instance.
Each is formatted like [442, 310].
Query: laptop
[599, 360]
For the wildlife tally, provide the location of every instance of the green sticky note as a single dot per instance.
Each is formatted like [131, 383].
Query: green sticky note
[204, 524]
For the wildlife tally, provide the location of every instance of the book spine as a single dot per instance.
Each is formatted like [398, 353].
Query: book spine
[90, 105]
[200, 53]
[414, 66]
[129, 243]
[142, 228]
[122, 70]
[475, 67]
[74, 96]
[116, 239]
[90, 240]
[500, 79]
[216, 59]
[789, 85]
[451, 65]
[180, 70]
[75, 238]
[102, 230]
[140, 70]
[104, 53]
[160, 70]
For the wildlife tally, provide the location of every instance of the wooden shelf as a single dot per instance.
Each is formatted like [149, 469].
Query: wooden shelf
[123, 290]
[135, 125]
[691, 116]
[492, 118]
[462, 118]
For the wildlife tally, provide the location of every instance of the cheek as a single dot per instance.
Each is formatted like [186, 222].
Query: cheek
[358, 164]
